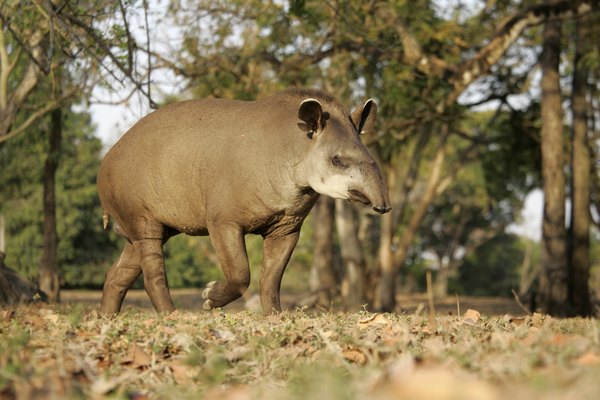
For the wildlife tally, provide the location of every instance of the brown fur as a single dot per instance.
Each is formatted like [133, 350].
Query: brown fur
[228, 168]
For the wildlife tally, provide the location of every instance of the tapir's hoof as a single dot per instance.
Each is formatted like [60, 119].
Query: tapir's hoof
[206, 292]
[208, 305]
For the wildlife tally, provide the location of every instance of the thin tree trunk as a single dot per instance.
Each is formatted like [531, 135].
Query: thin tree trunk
[386, 293]
[7, 292]
[447, 260]
[2, 235]
[355, 267]
[579, 257]
[553, 279]
[440, 284]
[323, 280]
[49, 278]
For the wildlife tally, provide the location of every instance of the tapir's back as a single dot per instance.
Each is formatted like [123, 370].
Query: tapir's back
[170, 162]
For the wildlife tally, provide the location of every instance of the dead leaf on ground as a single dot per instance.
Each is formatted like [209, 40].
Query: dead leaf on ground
[435, 383]
[137, 358]
[7, 315]
[373, 320]
[471, 317]
[517, 321]
[241, 392]
[558, 339]
[354, 355]
[588, 359]
[103, 386]
[222, 335]
[533, 337]
[49, 315]
[538, 319]
[181, 372]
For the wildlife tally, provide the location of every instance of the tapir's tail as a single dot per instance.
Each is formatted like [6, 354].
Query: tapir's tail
[105, 219]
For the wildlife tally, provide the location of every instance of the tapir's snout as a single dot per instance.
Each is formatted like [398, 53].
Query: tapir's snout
[382, 209]
[376, 189]
[372, 189]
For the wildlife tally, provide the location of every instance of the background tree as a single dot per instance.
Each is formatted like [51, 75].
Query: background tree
[553, 281]
[431, 67]
[60, 48]
[581, 168]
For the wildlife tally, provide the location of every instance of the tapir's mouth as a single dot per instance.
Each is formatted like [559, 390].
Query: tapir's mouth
[355, 195]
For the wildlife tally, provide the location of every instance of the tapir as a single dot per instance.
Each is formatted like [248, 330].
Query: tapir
[227, 168]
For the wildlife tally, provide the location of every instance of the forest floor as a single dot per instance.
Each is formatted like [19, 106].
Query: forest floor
[478, 352]
[191, 300]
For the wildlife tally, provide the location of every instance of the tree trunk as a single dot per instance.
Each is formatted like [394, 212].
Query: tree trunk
[2, 237]
[385, 293]
[553, 279]
[440, 284]
[323, 280]
[392, 260]
[7, 292]
[49, 278]
[355, 267]
[579, 257]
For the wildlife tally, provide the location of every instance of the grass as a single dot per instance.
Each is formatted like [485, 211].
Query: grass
[71, 352]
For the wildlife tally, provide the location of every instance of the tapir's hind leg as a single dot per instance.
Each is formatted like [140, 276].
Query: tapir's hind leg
[155, 277]
[230, 247]
[119, 278]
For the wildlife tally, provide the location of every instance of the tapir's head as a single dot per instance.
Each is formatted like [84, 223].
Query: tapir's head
[338, 164]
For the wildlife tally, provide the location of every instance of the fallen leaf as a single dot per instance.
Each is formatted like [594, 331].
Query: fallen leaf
[354, 356]
[517, 321]
[537, 320]
[533, 337]
[149, 323]
[558, 339]
[7, 315]
[104, 362]
[182, 341]
[588, 359]
[471, 317]
[223, 335]
[137, 358]
[49, 315]
[102, 386]
[181, 372]
[241, 392]
[373, 320]
[434, 383]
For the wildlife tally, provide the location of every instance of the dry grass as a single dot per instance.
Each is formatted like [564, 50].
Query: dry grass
[71, 352]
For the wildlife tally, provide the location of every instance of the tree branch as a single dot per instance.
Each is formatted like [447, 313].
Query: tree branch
[40, 112]
[480, 64]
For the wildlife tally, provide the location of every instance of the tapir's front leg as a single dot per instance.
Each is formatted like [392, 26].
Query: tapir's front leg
[276, 254]
[229, 244]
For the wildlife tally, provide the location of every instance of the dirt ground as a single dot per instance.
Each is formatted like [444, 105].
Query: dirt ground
[191, 300]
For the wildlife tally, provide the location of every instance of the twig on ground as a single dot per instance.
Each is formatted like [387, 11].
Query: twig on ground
[519, 302]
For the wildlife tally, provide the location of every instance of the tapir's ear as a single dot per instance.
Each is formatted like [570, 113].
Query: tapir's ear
[364, 117]
[312, 117]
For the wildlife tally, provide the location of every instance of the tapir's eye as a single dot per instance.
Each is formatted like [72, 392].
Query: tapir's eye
[336, 160]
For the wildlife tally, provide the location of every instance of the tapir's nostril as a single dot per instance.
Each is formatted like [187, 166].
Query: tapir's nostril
[382, 210]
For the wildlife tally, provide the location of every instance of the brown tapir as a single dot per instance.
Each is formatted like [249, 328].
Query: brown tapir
[228, 168]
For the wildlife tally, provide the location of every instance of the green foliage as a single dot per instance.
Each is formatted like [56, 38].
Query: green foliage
[190, 262]
[492, 270]
[84, 249]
